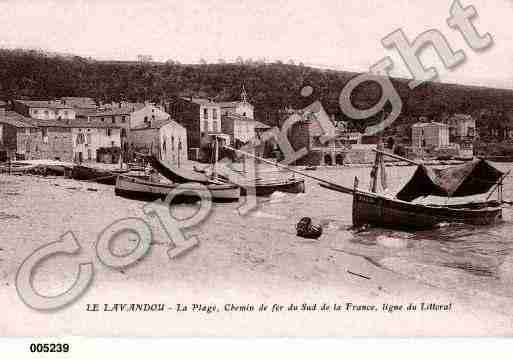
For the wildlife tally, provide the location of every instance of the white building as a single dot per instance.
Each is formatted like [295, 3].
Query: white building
[166, 138]
[431, 134]
[44, 110]
[462, 126]
[146, 115]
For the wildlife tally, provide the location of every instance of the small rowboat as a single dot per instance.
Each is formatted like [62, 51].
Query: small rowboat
[268, 187]
[178, 175]
[136, 188]
[84, 173]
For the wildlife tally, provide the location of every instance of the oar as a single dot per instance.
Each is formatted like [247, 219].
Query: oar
[397, 157]
[328, 184]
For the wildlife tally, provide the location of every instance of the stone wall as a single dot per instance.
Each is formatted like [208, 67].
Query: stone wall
[360, 156]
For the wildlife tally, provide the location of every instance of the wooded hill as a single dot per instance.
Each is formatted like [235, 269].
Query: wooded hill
[271, 87]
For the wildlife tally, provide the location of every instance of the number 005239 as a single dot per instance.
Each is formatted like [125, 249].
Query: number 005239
[49, 348]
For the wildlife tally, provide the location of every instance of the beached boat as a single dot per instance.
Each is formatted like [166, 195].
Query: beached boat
[411, 207]
[268, 187]
[263, 187]
[178, 175]
[136, 188]
[85, 173]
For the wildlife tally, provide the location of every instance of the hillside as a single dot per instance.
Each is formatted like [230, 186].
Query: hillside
[271, 87]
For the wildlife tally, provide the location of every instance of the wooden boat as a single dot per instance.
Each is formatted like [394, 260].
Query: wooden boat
[470, 179]
[263, 187]
[268, 187]
[85, 173]
[178, 175]
[136, 188]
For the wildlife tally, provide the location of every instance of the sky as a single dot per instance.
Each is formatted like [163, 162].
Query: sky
[343, 34]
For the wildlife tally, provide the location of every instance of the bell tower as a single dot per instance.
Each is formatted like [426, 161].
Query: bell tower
[244, 95]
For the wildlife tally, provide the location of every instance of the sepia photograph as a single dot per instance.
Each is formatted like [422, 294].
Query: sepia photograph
[254, 169]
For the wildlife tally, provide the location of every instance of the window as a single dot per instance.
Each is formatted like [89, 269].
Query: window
[205, 126]
[89, 139]
[35, 112]
[46, 112]
[113, 119]
[65, 113]
[215, 126]
[103, 120]
[145, 119]
[123, 119]
[205, 113]
[108, 132]
[214, 114]
[123, 132]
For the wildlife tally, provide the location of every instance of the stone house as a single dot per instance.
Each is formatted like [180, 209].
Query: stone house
[310, 132]
[200, 117]
[88, 138]
[114, 118]
[28, 138]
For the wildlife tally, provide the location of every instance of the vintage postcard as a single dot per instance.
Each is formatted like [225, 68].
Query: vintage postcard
[255, 169]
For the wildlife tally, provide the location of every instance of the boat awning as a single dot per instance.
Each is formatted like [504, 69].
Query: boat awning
[471, 178]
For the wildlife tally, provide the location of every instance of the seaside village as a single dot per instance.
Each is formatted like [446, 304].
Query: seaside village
[77, 129]
[147, 150]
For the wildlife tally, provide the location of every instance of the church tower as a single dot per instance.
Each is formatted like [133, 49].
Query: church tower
[244, 95]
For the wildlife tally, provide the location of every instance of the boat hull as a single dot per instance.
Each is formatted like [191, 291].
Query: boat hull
[389, 212]
[83, 173]
[268, 188]
[178, 175]
[140, 189]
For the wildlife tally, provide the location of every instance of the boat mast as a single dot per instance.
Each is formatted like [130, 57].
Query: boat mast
[216, 158]
[378, 170]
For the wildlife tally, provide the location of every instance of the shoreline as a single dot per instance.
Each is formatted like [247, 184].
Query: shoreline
[240, 260]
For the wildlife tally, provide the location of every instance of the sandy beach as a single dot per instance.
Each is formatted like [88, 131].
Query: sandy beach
[241, 260]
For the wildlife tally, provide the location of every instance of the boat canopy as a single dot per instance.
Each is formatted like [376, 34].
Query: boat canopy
[471, 178]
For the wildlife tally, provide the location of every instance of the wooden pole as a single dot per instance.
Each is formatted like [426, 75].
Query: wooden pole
[497, 184]
[329, 183]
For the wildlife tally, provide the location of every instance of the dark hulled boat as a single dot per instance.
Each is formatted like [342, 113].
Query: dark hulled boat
[85, 173]
[411, 207]
[266, 188]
